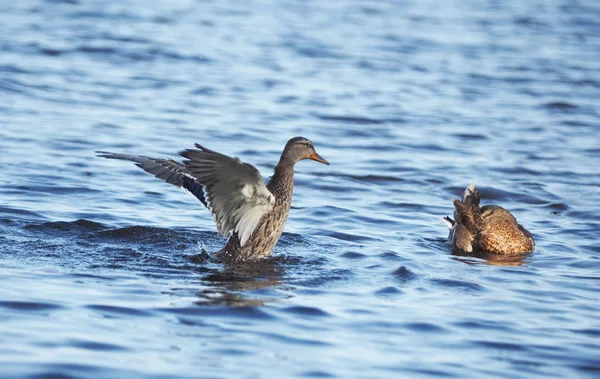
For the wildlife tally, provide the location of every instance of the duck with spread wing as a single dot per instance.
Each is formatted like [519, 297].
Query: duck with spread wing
[252, 213]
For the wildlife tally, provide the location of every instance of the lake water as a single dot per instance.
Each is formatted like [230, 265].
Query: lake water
[410, 101]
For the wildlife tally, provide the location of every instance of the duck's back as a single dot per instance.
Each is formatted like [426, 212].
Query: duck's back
[502, 234]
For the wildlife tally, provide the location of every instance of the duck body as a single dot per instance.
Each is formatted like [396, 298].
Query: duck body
[251, 213]
[489, 229]
[270, 227]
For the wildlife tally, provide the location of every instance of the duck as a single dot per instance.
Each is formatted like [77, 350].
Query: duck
[490, 229]
[251, 213]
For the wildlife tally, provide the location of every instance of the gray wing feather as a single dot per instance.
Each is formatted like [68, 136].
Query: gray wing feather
[168, 170]
[235, 191]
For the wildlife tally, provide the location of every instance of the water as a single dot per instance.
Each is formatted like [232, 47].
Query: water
[410, 101]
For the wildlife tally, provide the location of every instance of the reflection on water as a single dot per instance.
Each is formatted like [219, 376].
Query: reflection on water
[491, 258]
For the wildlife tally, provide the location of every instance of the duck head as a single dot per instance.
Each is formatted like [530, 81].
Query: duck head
[299, 148]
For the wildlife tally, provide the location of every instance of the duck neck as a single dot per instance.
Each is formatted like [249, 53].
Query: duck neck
[281, 184]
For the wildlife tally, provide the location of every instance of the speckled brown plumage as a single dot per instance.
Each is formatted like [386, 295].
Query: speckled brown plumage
[489, 229]
[270, 227]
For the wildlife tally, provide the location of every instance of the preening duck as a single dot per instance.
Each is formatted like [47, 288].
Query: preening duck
[489, 229]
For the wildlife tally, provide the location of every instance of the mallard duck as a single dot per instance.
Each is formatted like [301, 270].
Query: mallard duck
[252, 214]
[489, 229]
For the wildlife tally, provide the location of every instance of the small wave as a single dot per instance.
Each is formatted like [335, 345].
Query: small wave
[95, 345]
[316, 374]
[29, 306]
[560, 106]
[471, 137]
[63, 226]
[347, 236]
[424, 327]
[403, 274]
[244, 312]
[501, 345]
[112, 311]
[305, 311]
[458, 284]
[350, 119]
[390, 290]
[354, 255]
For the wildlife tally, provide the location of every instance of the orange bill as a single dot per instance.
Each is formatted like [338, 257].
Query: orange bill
[316, 157]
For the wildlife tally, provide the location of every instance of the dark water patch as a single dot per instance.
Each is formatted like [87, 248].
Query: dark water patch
[14, 69]
[578, 123]
[305, 311]
[328, 277]
[520, 170]
[135, 54]
[205, 91]
[95, 346]
[353, 255]
[108, 36]
[405, 206]
[149, 235]
[557, 206]
[313, 49]
[424, 327]
[108, 126]
[233, 352]
[289, 99]
[390, 290]
[59, 190]
[370, 178]
[424, 147]
[111, 310]
[359, 120]
[21, 214]
[432, 372]
[491, 194]
[296, 340]
[376, 179]
[389, 256]
[63, 226]
[592, 333]
[316, 374]
[249, 312]
[76, 371]
[79, 276]
[347, 236]
[28, 306]
[503, 326]
[458, 284]
[500, 345]
[588, 83]
[116, 15]
[560, 106]
[470, 137]
[403, 274]
[360, 311]
[530, 22]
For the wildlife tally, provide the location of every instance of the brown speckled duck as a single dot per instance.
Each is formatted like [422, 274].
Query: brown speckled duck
[235, 193]
[489, 229]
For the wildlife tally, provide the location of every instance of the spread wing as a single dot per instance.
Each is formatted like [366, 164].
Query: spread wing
[235, 191]
[166, 169]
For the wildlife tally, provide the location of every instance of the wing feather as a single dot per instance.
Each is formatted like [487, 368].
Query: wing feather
[235, 192]
[168, 170]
